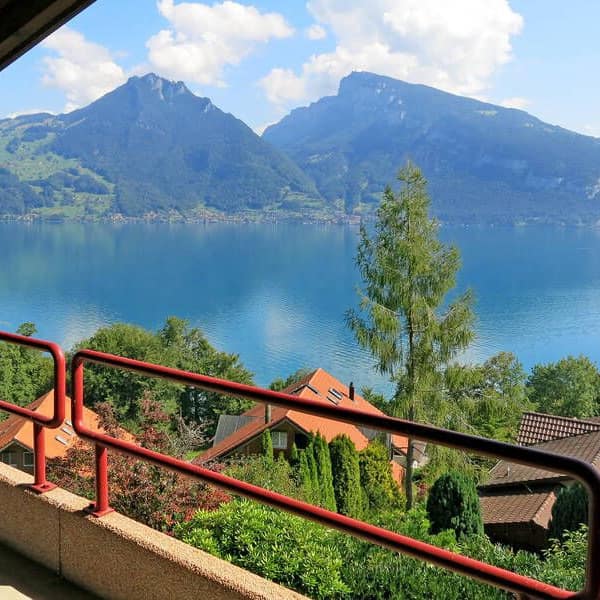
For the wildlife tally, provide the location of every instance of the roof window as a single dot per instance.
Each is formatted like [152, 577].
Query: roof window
[337, 394]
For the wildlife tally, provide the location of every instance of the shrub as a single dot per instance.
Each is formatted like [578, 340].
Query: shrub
[453, 504]
[381, 491]
[282, 547]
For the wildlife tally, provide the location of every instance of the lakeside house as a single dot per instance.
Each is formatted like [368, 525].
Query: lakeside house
[517, 501]
[16, 434]
[240, 435]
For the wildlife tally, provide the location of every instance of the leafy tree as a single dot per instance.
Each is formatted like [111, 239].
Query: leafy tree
[407, 273]
[453, 504]
[282, 547]
[266, 442]
[346, 476]
[175, 345]
[191, 351]
[489, 398]
[123, 390]
[377, 400]
[569, 387]
[570, 511]
[381, 490]
[25, 373]
[280, 383]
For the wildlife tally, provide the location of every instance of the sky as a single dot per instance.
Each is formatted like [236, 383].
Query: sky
[258, 60]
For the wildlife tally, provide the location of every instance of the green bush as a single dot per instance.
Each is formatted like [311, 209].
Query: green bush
[381, 490]
[453, 504]
[276, 475]
[282, 547]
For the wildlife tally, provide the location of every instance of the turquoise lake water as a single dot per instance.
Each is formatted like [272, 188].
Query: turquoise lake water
[276, 294]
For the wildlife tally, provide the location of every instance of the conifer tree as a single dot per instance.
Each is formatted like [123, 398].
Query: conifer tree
[406, 273]
[453, 503]
[346, 476]
[324, 472]
[294, 457]
[569, 511]
[266, 443]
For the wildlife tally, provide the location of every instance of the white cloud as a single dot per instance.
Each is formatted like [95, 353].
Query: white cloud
[516, 102]
[201, 40]
[455, 46]
[83, 70]
[315, 32]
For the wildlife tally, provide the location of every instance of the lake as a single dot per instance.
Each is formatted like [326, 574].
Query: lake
[276, 293]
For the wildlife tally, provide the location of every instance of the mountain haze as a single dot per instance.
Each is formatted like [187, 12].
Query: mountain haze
[148, 146]
[483, 162]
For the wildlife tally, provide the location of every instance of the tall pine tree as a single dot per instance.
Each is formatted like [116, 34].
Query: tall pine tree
[406, 274]
[324, 472]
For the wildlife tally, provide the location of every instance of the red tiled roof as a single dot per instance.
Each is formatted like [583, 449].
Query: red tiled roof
[538, 427]
[322, 382]
[585, 447]
[18, 429]
[518, 507]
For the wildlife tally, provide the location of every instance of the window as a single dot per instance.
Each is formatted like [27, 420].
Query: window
[28, 459]
[280, 440]
[9, 458]
[61, 439]
[335, 393]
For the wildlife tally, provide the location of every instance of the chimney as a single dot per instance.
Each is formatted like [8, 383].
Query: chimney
[351, 391]
[267, 413]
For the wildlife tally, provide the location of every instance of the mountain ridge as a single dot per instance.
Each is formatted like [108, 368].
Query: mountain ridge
[152, 149]
[150, 146]
[484, 162]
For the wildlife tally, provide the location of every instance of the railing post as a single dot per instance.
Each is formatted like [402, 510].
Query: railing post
[101, 507]
[40, 485]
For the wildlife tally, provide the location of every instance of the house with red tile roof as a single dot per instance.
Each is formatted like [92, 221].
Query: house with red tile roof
[517, 500]
[241, 434]
[16, 434]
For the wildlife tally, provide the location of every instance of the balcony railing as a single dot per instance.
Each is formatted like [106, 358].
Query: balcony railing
[40, 422]
[452, 561]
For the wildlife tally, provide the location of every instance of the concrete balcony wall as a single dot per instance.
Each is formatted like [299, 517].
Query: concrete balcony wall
[115, 557]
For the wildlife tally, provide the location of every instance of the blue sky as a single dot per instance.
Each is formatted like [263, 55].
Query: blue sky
[259, 60]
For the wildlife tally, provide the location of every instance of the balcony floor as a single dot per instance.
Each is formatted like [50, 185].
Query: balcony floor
[21, 578]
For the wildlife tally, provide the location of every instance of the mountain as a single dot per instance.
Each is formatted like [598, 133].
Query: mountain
[484, 163]
[150, 146]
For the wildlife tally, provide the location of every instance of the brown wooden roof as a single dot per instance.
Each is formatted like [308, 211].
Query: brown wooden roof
[521, 506]
[538, 427]
[585, 447]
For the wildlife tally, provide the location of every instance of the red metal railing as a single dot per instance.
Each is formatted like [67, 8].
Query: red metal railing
[438, 556]
[40, 422]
